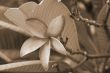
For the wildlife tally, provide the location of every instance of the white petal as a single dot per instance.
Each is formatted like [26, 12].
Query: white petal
[34, 25]
[44, 55]
[58, 46]
[28, 9]
[37, 28]
[16, 16]
[31, 45]
[59, 0]
[47, 2]
[56, 26]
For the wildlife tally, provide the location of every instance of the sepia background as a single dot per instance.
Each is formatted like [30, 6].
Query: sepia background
[89, 36]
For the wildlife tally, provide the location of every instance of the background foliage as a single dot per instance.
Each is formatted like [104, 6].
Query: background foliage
[92, 38]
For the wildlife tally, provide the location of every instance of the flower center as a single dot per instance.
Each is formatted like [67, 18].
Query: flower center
[35, 19]
[37, 27]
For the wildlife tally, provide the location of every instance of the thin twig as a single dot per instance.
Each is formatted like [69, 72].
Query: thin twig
[98, 56]
[81, 62]
[70, 54]
[75, 14]
[92, 56]
[90, 22]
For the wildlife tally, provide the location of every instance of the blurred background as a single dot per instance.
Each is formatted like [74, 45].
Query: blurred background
[88, 8]
[94, 40]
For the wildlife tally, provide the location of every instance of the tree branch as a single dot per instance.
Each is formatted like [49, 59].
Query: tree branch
[90, 22]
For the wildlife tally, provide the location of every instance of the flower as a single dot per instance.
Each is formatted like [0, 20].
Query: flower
[45, 44]
[44, 28]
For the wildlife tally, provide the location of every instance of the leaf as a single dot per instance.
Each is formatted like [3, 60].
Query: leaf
[28, 9]
[103, 14]
[31, 45]
[56, 26]
[58, 46]
[50, 9]
[108, 22]
[102, 37]
[44, 55]
[101, 32]
[85, 39]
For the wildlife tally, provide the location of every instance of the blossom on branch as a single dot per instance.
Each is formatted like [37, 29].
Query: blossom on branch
[44, 29]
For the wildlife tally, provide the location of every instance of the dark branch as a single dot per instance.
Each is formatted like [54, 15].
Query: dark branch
[90, 22]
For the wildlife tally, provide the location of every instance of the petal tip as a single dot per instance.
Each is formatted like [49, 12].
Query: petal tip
[28, 4]
[44, 54]
[60, 17]
[46, 67]
[58, 46]
[41, 2]
[59, 0]
[23, 53]
[56, 26]
[9, 11]
[65, 52]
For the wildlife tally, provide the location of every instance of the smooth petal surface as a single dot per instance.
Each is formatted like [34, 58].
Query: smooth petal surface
[59, 0]
[37, 28]
[44, 55]
[51, 9]
[31, 45]
[58, 46]
[16, 16]
[56, 26]
[46, 2]
[28, 9]
[34, 25]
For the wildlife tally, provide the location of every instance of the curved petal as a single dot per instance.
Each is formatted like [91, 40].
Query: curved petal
[47, 2]
[58, 46]
[44, 55]
[16, 16]
[59, 0]
[28, 9]
[33, 26]
[56, 26]
[31, 45]
[49, 9]
[36, 27]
